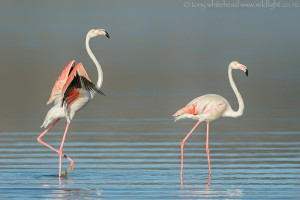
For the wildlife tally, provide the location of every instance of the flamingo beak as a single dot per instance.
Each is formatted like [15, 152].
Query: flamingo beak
[107, 35]
[243, 68]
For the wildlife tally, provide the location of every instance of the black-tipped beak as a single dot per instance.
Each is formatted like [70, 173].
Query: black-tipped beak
[246, 72]
[107, 35]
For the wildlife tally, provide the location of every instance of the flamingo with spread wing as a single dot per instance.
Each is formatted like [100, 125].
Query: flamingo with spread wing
[72, 91]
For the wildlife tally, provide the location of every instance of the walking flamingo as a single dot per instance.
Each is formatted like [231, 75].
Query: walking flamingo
[211, 107]
[72, 90]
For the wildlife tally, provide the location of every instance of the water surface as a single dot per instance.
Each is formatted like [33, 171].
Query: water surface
[129, 166]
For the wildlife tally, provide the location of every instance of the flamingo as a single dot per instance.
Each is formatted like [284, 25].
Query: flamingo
[72, 90]
[211, 107]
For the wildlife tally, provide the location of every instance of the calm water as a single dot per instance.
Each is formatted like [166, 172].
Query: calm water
[245, 165]
[160, 56]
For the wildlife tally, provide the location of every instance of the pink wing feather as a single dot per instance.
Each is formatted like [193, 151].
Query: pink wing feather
[77, 69]
[189, 109]
[207, 104]
[60, 82]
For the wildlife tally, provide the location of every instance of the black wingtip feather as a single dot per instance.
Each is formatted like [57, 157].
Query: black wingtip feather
[91, 86]
[80, 82]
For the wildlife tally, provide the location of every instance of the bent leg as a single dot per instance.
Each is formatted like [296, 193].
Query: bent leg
[39, 139]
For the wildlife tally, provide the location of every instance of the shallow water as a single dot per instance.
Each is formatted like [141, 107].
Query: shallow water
[147, 165]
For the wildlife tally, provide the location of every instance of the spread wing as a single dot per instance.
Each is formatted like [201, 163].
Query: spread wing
[77, 80]
[60, 82]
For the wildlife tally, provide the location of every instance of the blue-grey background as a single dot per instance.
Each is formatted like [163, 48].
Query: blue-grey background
[160, 56]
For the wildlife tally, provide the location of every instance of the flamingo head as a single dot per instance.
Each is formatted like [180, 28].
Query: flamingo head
[95, 32]
[237, 65]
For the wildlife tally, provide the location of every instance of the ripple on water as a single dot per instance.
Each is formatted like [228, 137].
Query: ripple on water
[120, 168]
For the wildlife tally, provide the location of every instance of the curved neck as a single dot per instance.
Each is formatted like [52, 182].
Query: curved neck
[238, 95]
[98, 66]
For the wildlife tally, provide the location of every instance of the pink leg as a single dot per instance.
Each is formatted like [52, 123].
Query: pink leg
[39, 139]
[61, 149]
[182, 147]
[207, 148]
[208, 181]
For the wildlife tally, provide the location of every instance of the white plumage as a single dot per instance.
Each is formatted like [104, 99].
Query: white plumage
[211, 107]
